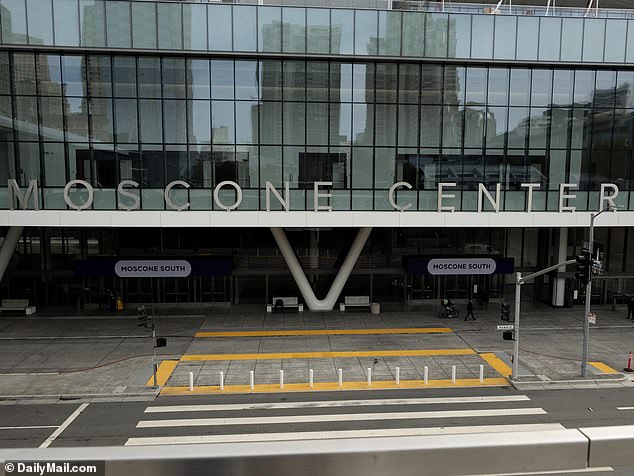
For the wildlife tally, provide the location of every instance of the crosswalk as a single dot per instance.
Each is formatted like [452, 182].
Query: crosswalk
[333, 419]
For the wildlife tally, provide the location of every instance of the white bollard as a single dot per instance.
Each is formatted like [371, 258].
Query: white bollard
[426, 375]
[453, 374]
[310, 378]
[369, 376]
[191, 381]
[281, 379]
[398, 376]
[251, 379]
[340, 373]
[222, 381]
[481, 373]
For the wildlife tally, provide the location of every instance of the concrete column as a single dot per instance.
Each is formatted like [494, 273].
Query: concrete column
[8, 247]
[559, 285]
[298, 274]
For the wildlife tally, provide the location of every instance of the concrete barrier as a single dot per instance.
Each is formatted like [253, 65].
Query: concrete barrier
[610, 445]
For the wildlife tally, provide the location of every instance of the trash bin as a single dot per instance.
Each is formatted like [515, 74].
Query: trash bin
[119, 304]
[375, 308]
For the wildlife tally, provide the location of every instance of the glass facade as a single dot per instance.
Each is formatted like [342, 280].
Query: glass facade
[361, 125]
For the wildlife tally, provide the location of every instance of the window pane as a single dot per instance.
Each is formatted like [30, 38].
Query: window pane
[482, 36]
[28, 162]
[126, 126]
[52, 124]
[247, 122]
[362, 124]
[173, 78]
[559, 127]
[386, 83]
[539, 123]
[317, 123]
[5, 73]
[149, 77]
[518, 121]
[244, 28]
[436, 35]
[430, 120]
[66, 17]
[222, 79]
[73, 73]
[14, 21]
[150, 120]
[584, 86]
[118, 24]
[316, 81]
[294, 116]
[476, 86]
[340, 124]
[505, 37]
[341, 32]
[270, 79]
[593, 39]
[409, 83]
[144, 25]
[413, 33]
[294, 30]
[571, 39]
[615, 36]
[452, 126]
[318, 31]
[124, 76]
[460, 35]
[527, 28]
[498, 86]
[247, 86]
[365, 34]
[520, 87]
[49, 75]
[101, 120]
[24, 73]
[39, 16]
[629, 55]
[170, 26]
[175, 119]
[385, 124]
[195, 21]
[93, 23]
[153, 169]
[54, 165]
[563, 84]
[220, 32]
[269, 29]
[407, 126]
[384, 167]
[549, 38]
[541, 87]
[294, 80]
[99, 76]
[223, 131]
[26, 118]
[389, 33]
[198, 77]
[271, 122]
[200, 122]
[432, 84]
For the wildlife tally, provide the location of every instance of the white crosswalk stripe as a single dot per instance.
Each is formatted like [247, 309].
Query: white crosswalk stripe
[331, 419]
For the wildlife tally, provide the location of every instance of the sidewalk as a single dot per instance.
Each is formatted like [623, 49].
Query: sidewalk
[99, 355]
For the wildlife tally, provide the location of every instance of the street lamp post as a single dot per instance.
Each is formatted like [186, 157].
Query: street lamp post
[586, 322]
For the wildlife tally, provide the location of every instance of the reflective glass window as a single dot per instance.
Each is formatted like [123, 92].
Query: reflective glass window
[175, 121]
[541, 87]
[615, 37]
[605, 91]
[271, 165]
[26, 121]
[340, 124]
[149, 77]
[28, 162]
[247, 130]
[220, 31]
[453, 85]
[54, 164]
[432, 83]
[118, 24]
[539, 125]
[384, 168]
[407, 125]
[199, 124]
[222, 79]
[124, 76]
[389, 33]
[386, 83]
[520, 87]
[318, 31]
[476, 89]
[342, 32]
[144, 25]
[593, 39]
[246, 79]
[571, 39]
[170, 26]
[24, 73]
[452, 126]
[93, 22]
[77, 120]
[584, 86]
[176, 169]
[436, 35]
[244, 28]
[5, 73]
[6, 113]
[498, 92]
[413, 33]
[365, 32]
[153, 174]
[549, 38]
[625, 89]
[460, 36]
[49, 75]
[496, 127]
[66, 22]
[563, 84]
[269, 29]
[294, 30]
[629, 53]
[527, 27]
[14, 21]
[363, 82]
[580, 128]
[173, 78]
[99, 76]
[126, 124]
[51, 119]
[362, 166]
[560, 119]
[73, 73]
[39, 16]
[317, 81]
[505, 37]
[482, 36]
[408, 83]
[195, 26]
[294, 74]
[385, 128]
[430, 120]
[474, 121]
[294, 128]
[270, 79]
[198, 75]
[101, 120]
[222, 122]
[517, 127]
[363, 124]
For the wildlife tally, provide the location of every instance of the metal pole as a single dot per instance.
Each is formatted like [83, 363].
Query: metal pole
[516, 328]
[154, 355]
[586, 323]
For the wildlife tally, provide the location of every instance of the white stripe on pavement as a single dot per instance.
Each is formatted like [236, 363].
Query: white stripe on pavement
[625, 408]
[64, 425]
[338, 417]
[335, 403]
[327, 435]
[598, 469]
[27, 427]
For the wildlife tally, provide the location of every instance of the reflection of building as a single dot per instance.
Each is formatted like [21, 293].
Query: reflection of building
[362, 98]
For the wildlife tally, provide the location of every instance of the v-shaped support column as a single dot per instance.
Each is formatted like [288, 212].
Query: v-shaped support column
[8, 247]
[343, 274]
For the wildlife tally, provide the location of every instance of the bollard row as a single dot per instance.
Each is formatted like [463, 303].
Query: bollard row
[339, 378]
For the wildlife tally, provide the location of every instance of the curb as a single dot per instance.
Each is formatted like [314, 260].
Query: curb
[79, 396]
[599, 382]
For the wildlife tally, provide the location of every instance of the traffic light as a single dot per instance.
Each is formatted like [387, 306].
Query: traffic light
[582, 267]
[505, 312]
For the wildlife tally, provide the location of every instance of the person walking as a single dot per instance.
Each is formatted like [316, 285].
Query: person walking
[630, 307]
[469, 311]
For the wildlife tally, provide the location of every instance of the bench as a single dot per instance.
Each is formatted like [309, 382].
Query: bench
[17, 305]
[286, 302]
[355, 301]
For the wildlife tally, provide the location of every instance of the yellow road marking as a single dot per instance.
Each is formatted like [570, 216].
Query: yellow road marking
[603, 368]
[327, 355]
[497, 364]
[329, 386]
[163, 372]
[320, 332]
